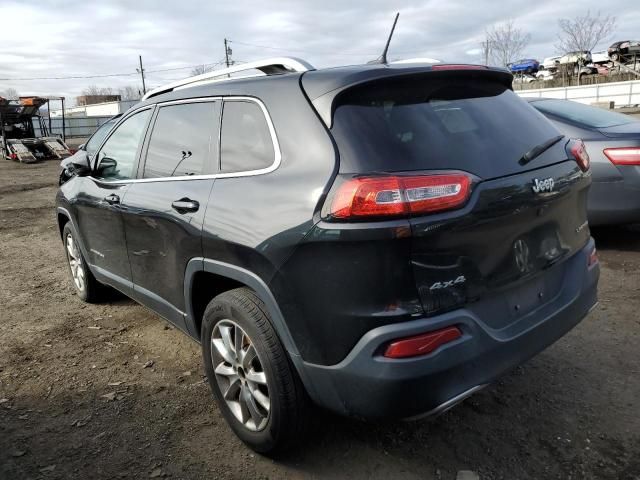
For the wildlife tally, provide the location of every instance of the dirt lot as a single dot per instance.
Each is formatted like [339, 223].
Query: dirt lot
[76, 400]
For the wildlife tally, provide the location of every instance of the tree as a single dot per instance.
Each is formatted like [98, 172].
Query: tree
[200, 69]
[505, 43]
[93, 90]
[584, 32]
[129, 93]
[10, 94]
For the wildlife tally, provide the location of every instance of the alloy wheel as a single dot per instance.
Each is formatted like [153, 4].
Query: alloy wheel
[240, 375]
[75, 262]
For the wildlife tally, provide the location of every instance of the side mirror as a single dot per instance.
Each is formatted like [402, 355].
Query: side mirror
[106, 164]
[80, 163]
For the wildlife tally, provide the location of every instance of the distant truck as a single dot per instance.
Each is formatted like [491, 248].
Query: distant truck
[18, 140]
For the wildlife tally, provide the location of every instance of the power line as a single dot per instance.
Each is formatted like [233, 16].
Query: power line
[71, 77]
[297, 49]
[320, 52]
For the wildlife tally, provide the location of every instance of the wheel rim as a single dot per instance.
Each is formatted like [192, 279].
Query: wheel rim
[240, 375]
[75, 262]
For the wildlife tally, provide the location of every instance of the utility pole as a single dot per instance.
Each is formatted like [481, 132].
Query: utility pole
[64, 128]
[141, 72]
[486, 51]
[227, 51]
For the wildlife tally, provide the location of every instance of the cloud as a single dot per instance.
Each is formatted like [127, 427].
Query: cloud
[76, 37]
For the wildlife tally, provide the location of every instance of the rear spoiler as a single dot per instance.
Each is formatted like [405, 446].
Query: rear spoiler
[325, 101]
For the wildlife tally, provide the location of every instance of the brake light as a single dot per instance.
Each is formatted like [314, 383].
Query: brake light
[623, 156]
[421, 344]
[400, 196]
[579, 152]
[13, 156]
[458, 67]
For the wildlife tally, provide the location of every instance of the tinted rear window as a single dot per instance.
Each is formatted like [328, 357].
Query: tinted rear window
[476, 126]
[575, 112]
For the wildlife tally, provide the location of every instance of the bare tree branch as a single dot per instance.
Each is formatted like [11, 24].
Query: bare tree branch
[10, 94]
[584, 32]
[199, 70]
[505, 43]
[129, 93]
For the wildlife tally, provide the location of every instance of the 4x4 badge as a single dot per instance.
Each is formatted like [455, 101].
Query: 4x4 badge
[544, 185]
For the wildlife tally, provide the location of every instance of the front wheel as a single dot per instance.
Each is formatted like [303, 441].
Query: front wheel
[85, 284]
[250, 374]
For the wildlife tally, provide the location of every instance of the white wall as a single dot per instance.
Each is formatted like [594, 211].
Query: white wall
[622, 93]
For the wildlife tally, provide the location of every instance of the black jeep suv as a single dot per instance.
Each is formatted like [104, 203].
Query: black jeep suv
[381, 240]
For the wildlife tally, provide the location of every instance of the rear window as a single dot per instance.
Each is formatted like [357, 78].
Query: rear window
[245, 140]
[477, 126]
[582, 114]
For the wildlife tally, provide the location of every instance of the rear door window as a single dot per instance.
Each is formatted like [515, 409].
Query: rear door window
[245, 139]
[184, 141]
[478, 126]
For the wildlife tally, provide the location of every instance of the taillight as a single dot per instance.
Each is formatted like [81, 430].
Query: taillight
[400, 196]
[593, 258]
[623, 155]
[421, 344]
[578, 150]
[13, 156]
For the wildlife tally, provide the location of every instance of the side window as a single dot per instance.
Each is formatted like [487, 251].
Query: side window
[96, 139]
[182, 141]
[117, 158]
[245, 140]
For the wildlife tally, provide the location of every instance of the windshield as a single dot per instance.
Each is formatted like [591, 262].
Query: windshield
[575, 112]
[479, 126]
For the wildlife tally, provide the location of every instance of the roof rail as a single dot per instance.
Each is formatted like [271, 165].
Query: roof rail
[270, 66]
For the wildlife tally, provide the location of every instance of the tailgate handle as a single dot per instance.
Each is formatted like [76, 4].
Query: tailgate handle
[185, 205]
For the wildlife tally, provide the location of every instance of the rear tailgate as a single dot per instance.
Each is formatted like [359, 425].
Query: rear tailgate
[501, 242]
[521, 218]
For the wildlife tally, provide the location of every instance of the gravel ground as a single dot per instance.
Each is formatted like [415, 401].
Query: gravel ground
[113, 391]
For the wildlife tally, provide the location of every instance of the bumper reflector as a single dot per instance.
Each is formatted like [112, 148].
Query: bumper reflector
[421, 344]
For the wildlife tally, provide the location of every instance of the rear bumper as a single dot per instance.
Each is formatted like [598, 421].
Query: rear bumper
[613, 203]
[367, 384]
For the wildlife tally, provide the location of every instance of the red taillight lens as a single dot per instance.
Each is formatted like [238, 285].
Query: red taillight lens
[398, 196]
[623, 156]
[593, 258]
[13, 156]
[579, 152]
[421, 344]
[458, 67]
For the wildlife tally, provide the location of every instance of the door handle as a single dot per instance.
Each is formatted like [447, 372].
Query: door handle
[185, 205]
[112, 199]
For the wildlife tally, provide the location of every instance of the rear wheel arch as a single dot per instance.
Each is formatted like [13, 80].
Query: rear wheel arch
[205, 279]
[214, 278]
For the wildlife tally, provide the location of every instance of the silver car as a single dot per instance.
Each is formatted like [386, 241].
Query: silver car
[613, 143]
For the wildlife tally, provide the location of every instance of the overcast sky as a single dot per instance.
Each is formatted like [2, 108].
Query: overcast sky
[61, 38]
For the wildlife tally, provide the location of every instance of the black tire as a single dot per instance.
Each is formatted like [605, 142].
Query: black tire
[92, 291]
[285, 421]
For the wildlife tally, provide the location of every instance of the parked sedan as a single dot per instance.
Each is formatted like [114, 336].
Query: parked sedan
[613, 143]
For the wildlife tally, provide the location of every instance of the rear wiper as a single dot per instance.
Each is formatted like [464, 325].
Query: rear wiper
[539, 150]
